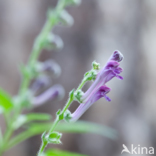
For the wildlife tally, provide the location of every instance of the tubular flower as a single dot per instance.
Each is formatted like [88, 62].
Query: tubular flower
[101, 92]
[40, 83]
[54, 92]
[49, 66]
[109, 71]
[98, 89]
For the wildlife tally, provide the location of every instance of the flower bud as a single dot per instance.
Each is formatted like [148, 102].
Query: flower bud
[91, 75]
[49, 66]
[53, 42]
[116, 56]
[78, 95]
[66, 18]
[67, 116]
[40, 82]
[96, 66]
[54, 138]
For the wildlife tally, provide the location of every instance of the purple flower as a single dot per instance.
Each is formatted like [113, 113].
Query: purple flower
[110, 71]
[40, 82]
[101, 92]
[98, 89]
[52, 93]
[50, 66]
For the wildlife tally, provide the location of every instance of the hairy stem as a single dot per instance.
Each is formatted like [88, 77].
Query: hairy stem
[57, 120]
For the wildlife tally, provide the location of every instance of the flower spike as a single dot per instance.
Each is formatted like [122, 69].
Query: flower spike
[98, 89]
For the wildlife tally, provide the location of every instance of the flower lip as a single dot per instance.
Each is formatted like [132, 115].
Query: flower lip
[118, 70]
[100, 93]
[104, 90]
[112, 64]
[117, 56]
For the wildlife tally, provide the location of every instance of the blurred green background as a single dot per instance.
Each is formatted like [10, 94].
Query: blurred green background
[101, 26]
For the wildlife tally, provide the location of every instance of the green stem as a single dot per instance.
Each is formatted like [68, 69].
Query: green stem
[82, 84]
[54, 125]
[57, 120]
[43, 145]
[38, 46]
[5, 140]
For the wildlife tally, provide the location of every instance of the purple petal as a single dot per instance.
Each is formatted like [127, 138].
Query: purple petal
[50, 66]
[119, 77]
[107, 98]
[40, 83]
[117, 56]
[101, 92]
[54, 92]
[106, 74]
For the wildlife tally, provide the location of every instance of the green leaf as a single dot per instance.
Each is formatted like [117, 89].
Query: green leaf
[5, 101]
[23, 119]
[71, 94]
[55, 152]
[44, 139]
[87, 73]
[58, 112]
[38, 116]
[77, 127]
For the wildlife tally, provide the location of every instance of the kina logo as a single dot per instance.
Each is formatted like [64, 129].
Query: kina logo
[137, 150]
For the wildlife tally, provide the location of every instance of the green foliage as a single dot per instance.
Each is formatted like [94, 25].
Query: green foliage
[38, 116]
[60, 115]
[23, 119]
[77, 127]
[55, 152]
[44, 139]
[71, 94]
[46, 39]
[6, 103]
